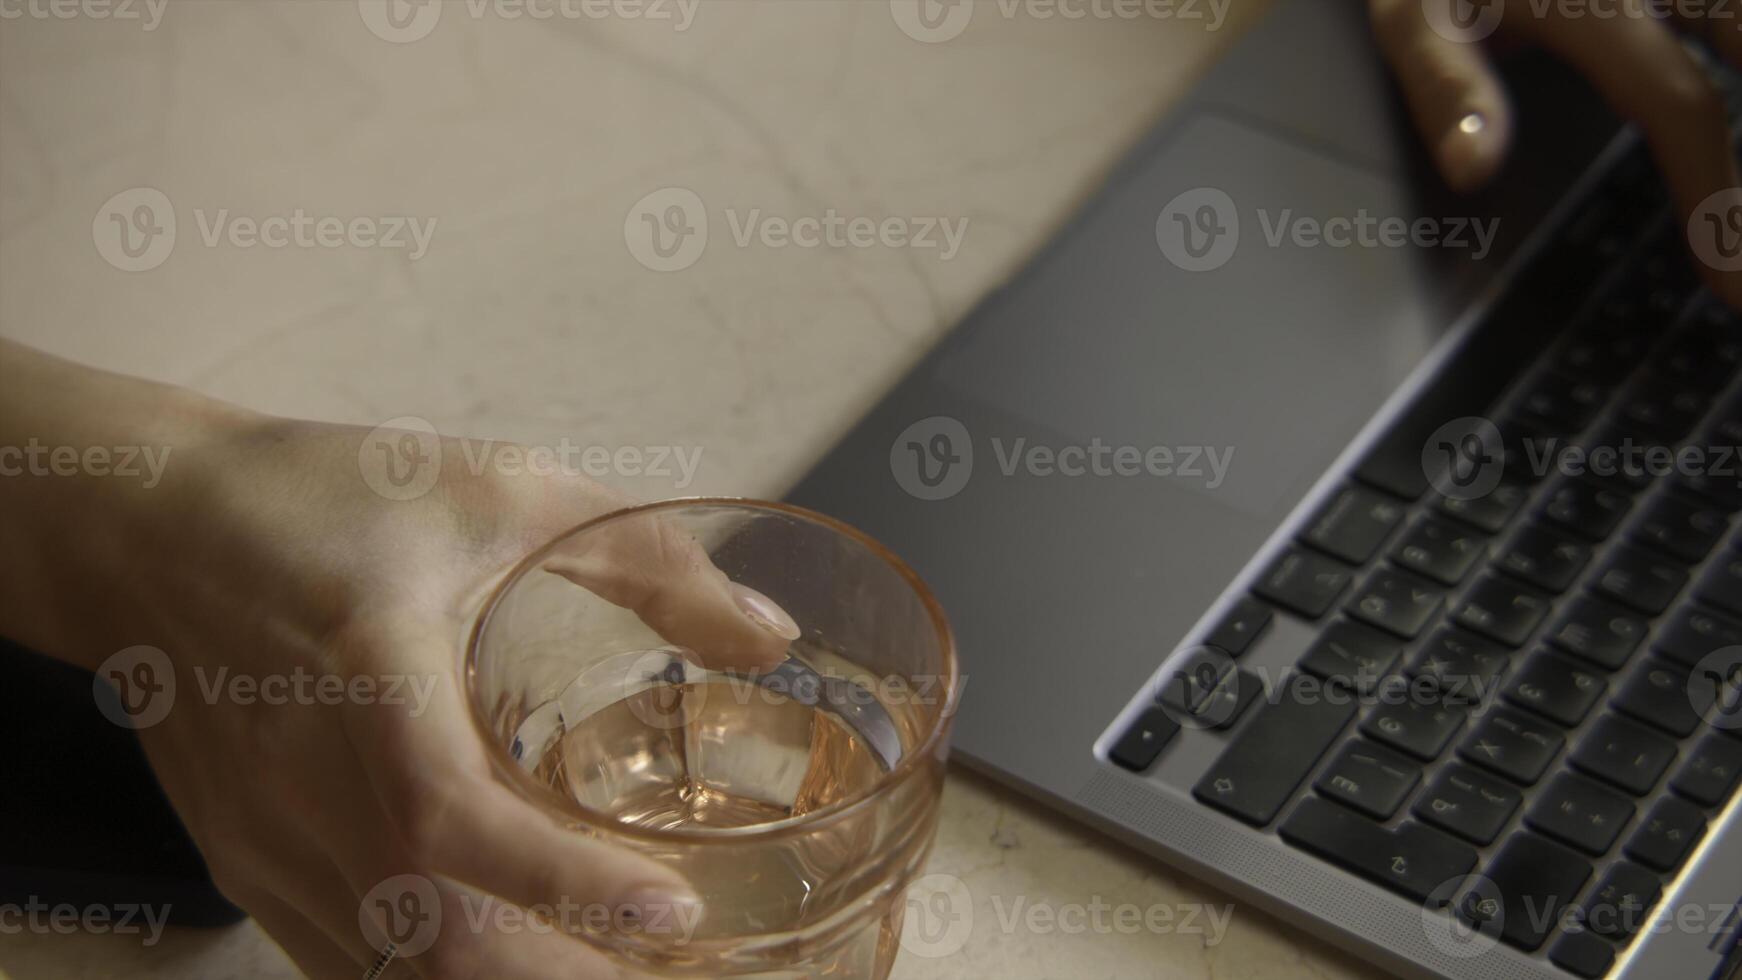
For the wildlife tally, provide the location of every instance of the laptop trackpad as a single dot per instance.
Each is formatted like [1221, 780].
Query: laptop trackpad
[1236, 291]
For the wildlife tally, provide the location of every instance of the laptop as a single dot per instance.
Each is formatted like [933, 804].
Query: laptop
[1391, 583]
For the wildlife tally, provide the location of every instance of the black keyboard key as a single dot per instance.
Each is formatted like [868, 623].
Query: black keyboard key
[1622, 901]
[1680, 526]
[1639, 579]
[1693, 634]
[1559, 403]
[1496, 608]
[1582, 954]
[1577, 811]
[1721, 585]
[1724, 490]
[1622, 461]
[1138, 748]
[1439, 549]
[1464, 667]
[1354, 524]
[1490, 511]
[1351, 655]
[1544, 559]
[1396, 601]
[1531, 881]
[1623, 754]
[1598, 631]
[1188, 677]
[1258, 772]
[1556, 688]
[1667, 834]
[1369, 778]
[1659, 408]
[1468, 803]
[1229, 701]
[1658, 695]
[1586, 509]
[1514, 745]
[1411, 859]
[1305, 582]
[1239, 626]
[1419, 722]
[1710, 774]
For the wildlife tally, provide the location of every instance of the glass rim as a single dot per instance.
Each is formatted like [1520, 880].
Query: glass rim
[541, 796]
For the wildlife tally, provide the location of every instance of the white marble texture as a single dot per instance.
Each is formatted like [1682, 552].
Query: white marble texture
[528, 142]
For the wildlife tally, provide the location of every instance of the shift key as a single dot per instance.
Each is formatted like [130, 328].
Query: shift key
[1261, 769]
[1414, 859]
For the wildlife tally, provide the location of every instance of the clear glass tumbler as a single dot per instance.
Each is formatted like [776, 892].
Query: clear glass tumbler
[799, 800]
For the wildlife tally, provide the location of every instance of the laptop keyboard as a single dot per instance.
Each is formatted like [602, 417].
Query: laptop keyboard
[1498, 688]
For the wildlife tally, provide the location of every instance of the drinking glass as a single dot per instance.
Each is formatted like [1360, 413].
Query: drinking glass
[798, 800]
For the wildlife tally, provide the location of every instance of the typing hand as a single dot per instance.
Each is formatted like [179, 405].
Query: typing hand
[1637, 61]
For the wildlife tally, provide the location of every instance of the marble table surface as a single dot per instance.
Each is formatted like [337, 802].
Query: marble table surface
[465, 198]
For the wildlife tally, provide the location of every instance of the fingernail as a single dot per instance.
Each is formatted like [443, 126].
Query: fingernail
[765, 612]
[1463, 151]
[660, 910]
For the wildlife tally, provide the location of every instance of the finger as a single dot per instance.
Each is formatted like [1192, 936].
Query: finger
[664, 575]
[483, 936]
[1640, 68]
[306, 944]
[437, 792]
[475, 934]
[1454, 95]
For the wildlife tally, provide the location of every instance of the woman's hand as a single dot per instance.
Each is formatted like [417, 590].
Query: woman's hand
[264, 553]
[1636, 61]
